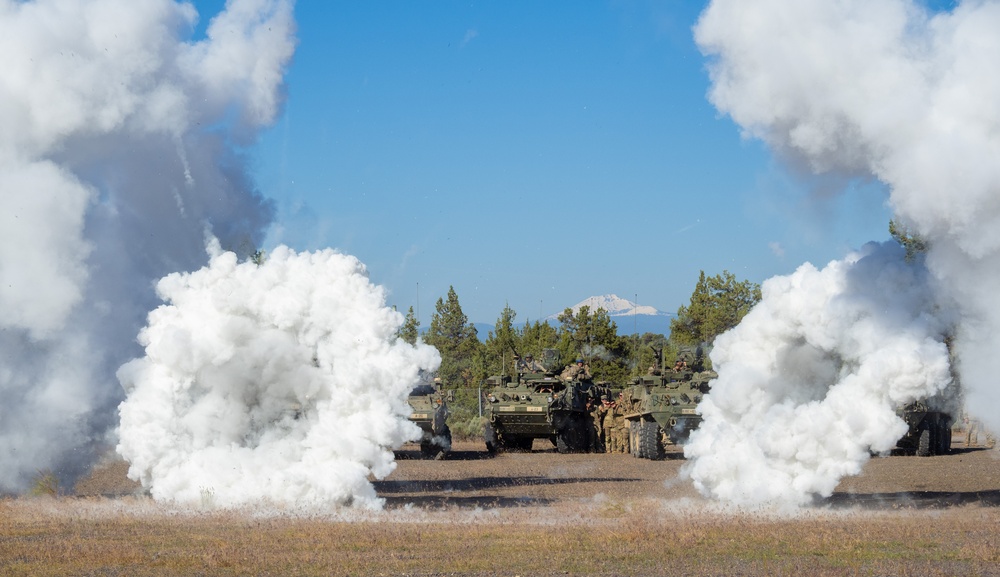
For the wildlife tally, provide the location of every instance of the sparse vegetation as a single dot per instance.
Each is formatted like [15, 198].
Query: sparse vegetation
[61, 540]
[46, 484]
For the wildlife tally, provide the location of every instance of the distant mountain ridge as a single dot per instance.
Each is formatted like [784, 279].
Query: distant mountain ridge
[627, 316]
[615, 307]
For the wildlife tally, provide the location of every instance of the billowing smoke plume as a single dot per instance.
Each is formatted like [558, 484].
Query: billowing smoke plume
[115, 158]
[888, 90]
[282, 383]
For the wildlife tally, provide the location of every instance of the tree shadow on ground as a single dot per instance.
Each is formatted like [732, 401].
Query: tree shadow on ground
[438, 502]
[409, 454]
[483, 483]
[911, 500]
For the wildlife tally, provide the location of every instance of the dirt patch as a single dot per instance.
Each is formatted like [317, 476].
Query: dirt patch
[471, 478]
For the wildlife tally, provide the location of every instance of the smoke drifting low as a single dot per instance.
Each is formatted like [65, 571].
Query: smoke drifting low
[809, 381]
[109, 178]
[283, 383]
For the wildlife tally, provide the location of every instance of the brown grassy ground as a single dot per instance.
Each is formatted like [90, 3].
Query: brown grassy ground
[532, 514]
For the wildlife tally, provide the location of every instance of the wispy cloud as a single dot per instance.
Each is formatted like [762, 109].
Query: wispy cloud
[777, 249]
[470, 34]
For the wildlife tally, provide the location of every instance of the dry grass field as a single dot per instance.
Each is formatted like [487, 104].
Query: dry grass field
[529, 514]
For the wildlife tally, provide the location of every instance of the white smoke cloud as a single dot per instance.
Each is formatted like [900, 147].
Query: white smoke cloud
[283, 384]
[108, 180]
[884, 89]
[809, 380]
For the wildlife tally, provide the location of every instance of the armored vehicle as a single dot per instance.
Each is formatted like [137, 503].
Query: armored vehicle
[538, 404]
[429, 411]
[661, 408]
[929, 429]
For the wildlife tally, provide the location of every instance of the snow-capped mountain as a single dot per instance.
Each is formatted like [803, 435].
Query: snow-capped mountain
[629, 318]
[615, 306]
[627, 315]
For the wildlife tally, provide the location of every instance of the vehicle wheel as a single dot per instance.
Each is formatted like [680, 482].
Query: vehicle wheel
[491, 438]
[562, 442]
[924, 443]
[942, 446]
[652, 445]
[427, 449]
[635, 439]
[572, 437]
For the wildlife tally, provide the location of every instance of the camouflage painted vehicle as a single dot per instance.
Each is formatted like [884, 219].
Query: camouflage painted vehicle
[929, 429]
[661, 408]
[537, 404]
[429, 411]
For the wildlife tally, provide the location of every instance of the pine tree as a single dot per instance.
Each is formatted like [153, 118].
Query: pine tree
[717, 304]
[456, 340]
[594, 337]
[501, 343]
[538, 336]
[913, 243]
[410, 329]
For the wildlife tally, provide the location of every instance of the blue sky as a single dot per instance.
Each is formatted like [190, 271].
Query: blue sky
[533, 153]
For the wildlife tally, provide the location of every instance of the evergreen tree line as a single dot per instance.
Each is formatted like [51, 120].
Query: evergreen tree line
[717, 304]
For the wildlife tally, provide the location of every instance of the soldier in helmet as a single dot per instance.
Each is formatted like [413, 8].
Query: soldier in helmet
[529, 365]
[578, 371]
[598, 412]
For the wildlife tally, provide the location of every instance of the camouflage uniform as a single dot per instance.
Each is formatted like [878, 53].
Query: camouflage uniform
[971, 431]
[610, 432]
[579, 371]
[597, 439]
[622, 430]
[529, 365]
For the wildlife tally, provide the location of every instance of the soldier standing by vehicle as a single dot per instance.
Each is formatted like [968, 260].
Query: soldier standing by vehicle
[971, 430]
[610, 431]
[598, 412]
[622, 429]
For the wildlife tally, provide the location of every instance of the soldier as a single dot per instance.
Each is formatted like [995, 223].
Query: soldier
[654, 369]
[971, 430]
[623, 444]
[579, 371]
[610, 437]
[598, 411]
[529, 365]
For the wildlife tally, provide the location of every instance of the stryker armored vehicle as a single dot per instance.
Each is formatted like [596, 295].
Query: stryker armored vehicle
[929, 420]
[429, 411]
[929, 430]
[538, 404]
[661, 407]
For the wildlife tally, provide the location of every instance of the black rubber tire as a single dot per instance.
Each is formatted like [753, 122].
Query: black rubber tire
[492, 440]
[652, 445]
[572, 438]
[635, 439]
[427, 449]
[924, 442]
[942, 438]
[946, 441]
[562, 442]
